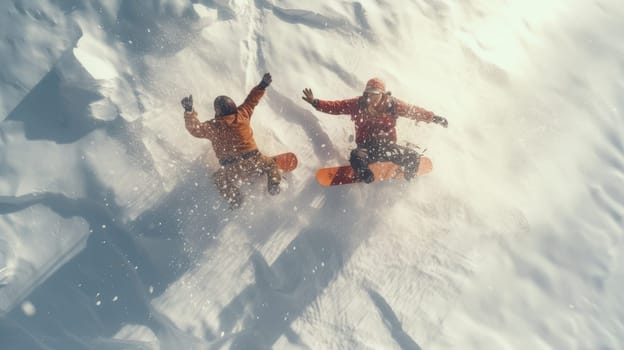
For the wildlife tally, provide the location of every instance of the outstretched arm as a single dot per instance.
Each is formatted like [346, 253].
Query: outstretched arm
[252, 100]
[193, 125]
[418, 114]
[330, 107]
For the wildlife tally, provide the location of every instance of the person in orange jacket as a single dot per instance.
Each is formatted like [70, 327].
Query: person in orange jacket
[232, 140]
[375, 114]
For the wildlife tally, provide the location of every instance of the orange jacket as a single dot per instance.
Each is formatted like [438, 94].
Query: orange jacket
[231, 135]
[378, 127]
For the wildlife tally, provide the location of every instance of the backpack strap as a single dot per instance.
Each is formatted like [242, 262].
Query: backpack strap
[392, 105]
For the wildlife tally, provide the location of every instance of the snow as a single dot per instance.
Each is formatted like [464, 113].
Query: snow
[113, 237]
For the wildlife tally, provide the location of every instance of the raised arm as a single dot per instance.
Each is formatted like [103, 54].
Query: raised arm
[252, 100]
[197, 128]
[337, 107]
[193, 125]
[349, 106]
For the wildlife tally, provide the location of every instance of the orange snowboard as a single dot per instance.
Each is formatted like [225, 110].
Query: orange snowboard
[286, 161]
[343, 175]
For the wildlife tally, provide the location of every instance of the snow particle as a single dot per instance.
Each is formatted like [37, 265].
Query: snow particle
[98, 303]
[151, 289]
[28, 309]
[115, 298]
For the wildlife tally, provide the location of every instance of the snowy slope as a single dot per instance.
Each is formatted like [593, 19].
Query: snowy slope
[114, 238]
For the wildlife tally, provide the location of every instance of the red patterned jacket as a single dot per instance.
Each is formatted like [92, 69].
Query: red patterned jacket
[380, 126]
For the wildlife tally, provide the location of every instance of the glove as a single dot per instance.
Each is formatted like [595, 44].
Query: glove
[187, 103]
[440, 120]
[266, 81]
[308, 96]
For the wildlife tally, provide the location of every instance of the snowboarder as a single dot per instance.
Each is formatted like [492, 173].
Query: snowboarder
[232, 141]
[375, 114]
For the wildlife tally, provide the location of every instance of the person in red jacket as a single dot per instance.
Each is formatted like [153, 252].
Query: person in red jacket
[375, 114]
[233, 143]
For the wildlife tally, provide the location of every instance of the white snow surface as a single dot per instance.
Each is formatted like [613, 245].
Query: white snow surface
[113, 236]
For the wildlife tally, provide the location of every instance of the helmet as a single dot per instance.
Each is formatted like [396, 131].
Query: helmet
[375, 86]
[223, 106]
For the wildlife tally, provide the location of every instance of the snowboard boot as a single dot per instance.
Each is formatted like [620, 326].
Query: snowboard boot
[273, 182]
[365, 174]
[359, 163]
[411, 167]
[235, 202]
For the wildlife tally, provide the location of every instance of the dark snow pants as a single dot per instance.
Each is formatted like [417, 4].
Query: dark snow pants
[372, 152]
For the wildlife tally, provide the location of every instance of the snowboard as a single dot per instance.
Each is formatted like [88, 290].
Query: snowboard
[286, 162]
[343, 175]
